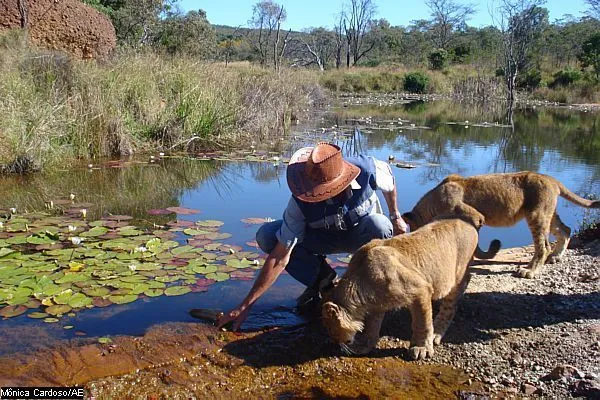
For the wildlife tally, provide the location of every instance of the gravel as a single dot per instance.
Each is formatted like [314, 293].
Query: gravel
[529, 337]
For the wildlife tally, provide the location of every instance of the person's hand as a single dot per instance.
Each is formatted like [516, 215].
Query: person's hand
[399, 226]
[237, 316]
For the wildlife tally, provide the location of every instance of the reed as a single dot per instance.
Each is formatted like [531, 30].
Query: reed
[54, 108]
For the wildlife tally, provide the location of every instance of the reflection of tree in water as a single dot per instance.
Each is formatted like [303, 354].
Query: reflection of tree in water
[127, 189]
[266, 171]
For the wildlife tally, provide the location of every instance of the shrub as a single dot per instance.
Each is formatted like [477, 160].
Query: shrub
[565, 77]
[438, 59]
[416, 82]
[532, 79]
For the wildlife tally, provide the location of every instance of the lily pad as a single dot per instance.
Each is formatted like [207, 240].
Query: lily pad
[218, 276]
[12, 311]
[37, 315]
[183, 210]
[159, 211]
[95, 231]
[177, 290]
[210, 223]
[256, 220]
[153, 292]
[104, 340]
[122, 299]
[58, 309]
[97, 291]
[100, 302]
[51, 320]
[204, 269]
[79, 300]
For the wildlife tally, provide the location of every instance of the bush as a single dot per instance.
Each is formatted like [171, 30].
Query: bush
[438, 59]
[531, 80]
[565, 77]
[416, 82]
[500, 72]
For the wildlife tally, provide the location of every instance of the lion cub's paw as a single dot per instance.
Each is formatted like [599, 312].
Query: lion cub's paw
[437, 339]
[420, 353]
[553, 259]
[525, 273]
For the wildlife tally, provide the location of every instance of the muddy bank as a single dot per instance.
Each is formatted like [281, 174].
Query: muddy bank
[508, 337]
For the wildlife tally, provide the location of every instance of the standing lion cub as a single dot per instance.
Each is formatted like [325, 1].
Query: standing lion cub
[505, 199]
[405, 271]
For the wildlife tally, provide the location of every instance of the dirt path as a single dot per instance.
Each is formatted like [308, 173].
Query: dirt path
[508, 335]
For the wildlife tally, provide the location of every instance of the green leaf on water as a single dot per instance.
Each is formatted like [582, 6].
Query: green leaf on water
[122, 299]
[96, 291]
[37, 315]
[50, 320]
[218, 276]
[210, 223]
[79, 300]
[177, 290]
[58, 309]
[204, 269]
[95, 232]
[104, 340]
[194, 232]
[153, 292]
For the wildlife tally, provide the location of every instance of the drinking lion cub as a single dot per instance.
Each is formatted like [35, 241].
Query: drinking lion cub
[505, 199]
[405, 271]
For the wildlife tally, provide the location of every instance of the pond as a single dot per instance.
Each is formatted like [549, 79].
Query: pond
[194, 219]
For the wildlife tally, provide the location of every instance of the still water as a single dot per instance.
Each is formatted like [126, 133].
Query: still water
[435, 138]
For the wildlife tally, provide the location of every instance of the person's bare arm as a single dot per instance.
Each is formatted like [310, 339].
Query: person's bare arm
[397, 222]
[274, 265]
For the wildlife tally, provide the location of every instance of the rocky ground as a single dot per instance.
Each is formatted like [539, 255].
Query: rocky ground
[522, 337]
[511, 338]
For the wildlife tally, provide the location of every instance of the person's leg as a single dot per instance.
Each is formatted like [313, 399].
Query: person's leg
[375, 226]
[305, 263]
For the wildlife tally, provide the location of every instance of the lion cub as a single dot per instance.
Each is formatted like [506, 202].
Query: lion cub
[405, 271]
[505, 199]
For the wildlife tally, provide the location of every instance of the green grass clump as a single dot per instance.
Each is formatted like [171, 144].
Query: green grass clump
[54, 108]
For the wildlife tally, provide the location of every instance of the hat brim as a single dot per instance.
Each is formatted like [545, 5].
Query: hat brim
[305, 190]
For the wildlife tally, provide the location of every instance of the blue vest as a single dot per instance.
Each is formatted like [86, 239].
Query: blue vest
[344, 214]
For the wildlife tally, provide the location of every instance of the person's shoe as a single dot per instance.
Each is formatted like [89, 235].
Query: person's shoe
[308, 302]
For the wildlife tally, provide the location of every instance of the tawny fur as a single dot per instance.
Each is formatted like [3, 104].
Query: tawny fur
[405, 271]
[505, 199]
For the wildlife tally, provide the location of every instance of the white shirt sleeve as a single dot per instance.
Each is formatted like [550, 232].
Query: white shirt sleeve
[384, 178]
[293, 225]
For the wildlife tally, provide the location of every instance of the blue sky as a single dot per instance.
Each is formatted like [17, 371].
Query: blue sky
[313, 13]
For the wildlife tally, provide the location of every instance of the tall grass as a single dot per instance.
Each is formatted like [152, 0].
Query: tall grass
[54, 108]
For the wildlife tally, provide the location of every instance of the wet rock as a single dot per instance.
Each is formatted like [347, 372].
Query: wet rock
[589, 388]
[563, 371]
[528, 389]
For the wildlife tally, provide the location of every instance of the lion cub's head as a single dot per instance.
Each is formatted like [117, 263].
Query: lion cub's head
[340, 324]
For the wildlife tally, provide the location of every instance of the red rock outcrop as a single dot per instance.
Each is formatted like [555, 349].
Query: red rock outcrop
[67, 25]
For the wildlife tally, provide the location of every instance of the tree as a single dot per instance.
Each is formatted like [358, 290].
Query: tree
[267, 17]
[590, 56]
[189, 34]
[521, 23]
[358, 15]
[229, 45]
[447, 16]
[317, 46]
[594, 10]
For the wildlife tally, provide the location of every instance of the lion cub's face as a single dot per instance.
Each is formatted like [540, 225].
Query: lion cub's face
[338, 323]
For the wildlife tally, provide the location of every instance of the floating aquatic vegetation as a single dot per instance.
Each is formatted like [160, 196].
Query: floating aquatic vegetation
[52, 266]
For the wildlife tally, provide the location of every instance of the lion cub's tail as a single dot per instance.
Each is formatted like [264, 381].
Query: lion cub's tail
[490, 253]
[573, 198]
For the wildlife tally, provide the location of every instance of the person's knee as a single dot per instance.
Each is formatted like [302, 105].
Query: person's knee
[379, 226]
[266, 236]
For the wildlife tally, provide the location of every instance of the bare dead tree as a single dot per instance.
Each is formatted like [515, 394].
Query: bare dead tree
[521, 23]
[447, 16]
[267, 17]
[358, 16]
[315, 47]
[339, 40]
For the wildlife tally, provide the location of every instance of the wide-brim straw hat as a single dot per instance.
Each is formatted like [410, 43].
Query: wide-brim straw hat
[319, 173]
